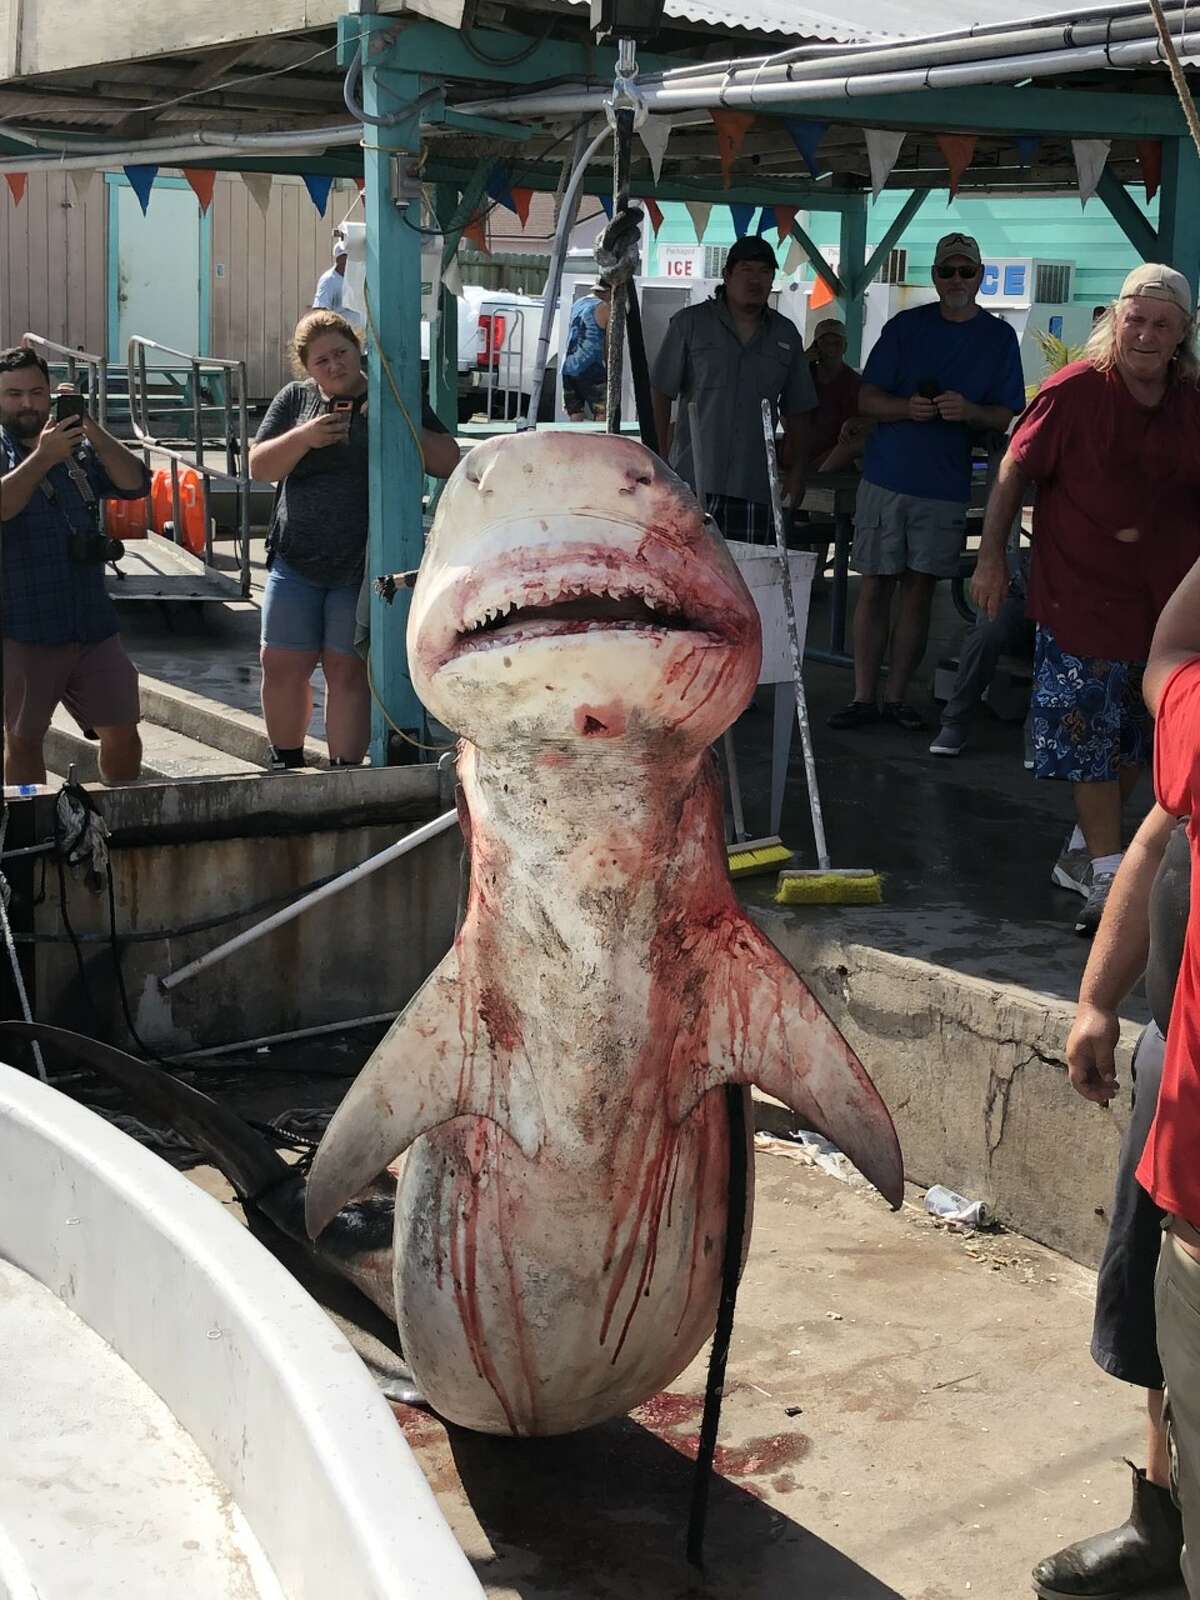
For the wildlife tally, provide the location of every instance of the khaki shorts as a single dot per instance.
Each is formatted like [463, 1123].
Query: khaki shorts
[1177, 1308]
[898, 532]
[97, 683]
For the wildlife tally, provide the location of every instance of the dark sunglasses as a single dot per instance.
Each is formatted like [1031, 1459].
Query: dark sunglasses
[945, 271]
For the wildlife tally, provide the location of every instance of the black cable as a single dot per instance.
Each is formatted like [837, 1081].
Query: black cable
[115, 946]
[506, 61]
[639, 368]
[731, 1268]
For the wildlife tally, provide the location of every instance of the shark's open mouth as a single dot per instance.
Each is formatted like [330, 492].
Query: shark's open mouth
[605, 604]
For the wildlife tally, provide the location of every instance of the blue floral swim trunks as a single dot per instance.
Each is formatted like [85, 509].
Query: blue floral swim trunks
[1088, 718]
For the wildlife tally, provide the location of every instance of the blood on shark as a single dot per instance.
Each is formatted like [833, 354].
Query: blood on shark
[560, 1216]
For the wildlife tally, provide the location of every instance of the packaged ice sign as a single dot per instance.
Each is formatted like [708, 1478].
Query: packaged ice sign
[1018, 282]
[680, 262]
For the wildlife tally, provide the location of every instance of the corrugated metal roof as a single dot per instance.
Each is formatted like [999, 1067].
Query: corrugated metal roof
[848, 22]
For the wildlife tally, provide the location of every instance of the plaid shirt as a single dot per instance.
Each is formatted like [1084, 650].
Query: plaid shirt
[48, 598]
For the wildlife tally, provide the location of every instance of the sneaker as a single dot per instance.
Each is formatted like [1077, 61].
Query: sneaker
[951, 741]
[904, 716]
[1089, 918]
[858, 714]
[1073, 870]
[284, 760]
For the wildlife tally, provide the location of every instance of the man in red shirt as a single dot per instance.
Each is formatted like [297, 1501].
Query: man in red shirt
[1170, 1166]
[1113, 444]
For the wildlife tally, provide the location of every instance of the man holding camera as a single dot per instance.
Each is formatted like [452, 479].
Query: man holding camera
[939, 373]
[61, 640]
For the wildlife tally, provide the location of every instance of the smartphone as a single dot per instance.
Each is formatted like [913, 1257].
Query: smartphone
[69, 405]
[338, 407]
[929, 388]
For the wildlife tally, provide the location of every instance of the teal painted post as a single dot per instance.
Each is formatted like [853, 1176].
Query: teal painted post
[443, 365]
[851, 261]
[397, 474]
[1179, 209]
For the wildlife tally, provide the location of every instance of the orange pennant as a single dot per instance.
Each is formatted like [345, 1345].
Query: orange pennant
[822, 295]
[201, 180]
[1149, 153]
[16, 185]
[959, 151]
[476, 232]
[521, 199]
[732, 128]
[655, 213]
[784, 217]
[362, 184]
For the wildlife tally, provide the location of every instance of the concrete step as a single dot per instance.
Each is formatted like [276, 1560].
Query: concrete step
[242, 735]
[167, 754]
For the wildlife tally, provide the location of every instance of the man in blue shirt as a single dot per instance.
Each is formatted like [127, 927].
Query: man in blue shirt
[939, 373]
[60, 628]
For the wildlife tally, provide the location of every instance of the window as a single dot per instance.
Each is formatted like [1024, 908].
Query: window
[1052, 286]
[894, 269]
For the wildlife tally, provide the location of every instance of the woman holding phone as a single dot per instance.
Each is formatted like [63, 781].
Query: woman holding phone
[313, 444]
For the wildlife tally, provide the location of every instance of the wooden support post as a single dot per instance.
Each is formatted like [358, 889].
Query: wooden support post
[1128, 216]
[1179, 210]
[818, 262]
[891, 238]
[443, 369]
[852, 260]
[397, 472]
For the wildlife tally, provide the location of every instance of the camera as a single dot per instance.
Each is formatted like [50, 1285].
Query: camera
[93, 549]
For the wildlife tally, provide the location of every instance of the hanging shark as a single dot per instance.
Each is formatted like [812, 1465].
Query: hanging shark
[561, 1210]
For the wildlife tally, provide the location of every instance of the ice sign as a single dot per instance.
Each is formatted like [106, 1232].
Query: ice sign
[1014, 278]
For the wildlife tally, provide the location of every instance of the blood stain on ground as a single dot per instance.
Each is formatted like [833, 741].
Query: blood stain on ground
[418, 1427]
[668, 1410]
[751, 1460]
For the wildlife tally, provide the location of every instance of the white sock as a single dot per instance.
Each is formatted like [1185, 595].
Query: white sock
[1077, 841]
[1106, 863]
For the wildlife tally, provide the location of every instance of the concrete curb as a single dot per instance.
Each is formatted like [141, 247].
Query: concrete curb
[209, 722]
[975, 1076]
[63, 749]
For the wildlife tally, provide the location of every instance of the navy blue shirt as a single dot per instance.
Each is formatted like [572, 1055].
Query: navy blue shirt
[979, 359]
[48, 598]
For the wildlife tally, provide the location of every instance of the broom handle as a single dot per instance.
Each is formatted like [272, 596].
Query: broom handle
[789, 604]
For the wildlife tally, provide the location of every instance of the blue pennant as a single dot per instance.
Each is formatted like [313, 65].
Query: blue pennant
[766, 221]
[318, 190]
[1027, 147]
[807, 136]
[606, 201]
[499, 188]
[741, 219]
[141, 181]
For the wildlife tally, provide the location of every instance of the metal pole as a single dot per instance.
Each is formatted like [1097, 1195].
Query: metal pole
[622, 144]
[410, 841]
[244, 477]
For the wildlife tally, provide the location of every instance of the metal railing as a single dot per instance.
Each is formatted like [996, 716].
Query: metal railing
[78, 363]
[506, 365]
[204, 375]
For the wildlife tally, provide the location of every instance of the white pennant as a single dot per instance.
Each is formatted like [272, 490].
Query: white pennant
[882, 149]
[698, 210]
[654, 133]
[259, 185]
[81, 178]
[453, 278]
[796, 256]
[1090, 158]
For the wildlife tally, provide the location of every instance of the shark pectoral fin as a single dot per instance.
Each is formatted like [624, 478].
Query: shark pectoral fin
[439, 1060]
[762, 1025]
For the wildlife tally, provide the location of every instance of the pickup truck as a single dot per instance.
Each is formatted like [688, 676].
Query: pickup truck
[497, 348]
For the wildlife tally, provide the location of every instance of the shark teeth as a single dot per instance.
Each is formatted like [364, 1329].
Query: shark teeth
[655, 598]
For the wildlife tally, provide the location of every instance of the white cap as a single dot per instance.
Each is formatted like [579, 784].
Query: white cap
[339, 247]
[1158, 282]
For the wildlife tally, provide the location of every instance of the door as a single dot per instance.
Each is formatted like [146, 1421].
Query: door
[156, 263]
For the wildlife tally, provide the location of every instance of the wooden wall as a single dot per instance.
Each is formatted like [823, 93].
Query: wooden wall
[52, 262]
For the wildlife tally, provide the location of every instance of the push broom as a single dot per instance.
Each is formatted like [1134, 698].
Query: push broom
[824, 884]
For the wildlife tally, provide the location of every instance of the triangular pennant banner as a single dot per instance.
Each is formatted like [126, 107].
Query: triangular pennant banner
[201, 181]
[784, 217]
[883, 147]
[654, 212]
[796, 256]
[606, 202]
[699, 211]
[742, 216]
[81, 180]
[654, 133]
[732, 128]
[806, 136]
[360, 184]
[476, 232]
[822, 295]
[1149, 154]
[318, 187]
[259, 185]
[141, 181]
[766, 220]
[521, 201]
[497, 187]
[453, 279]
[1090, 158]
[1027, 147]
[958, 151]
[16, 182]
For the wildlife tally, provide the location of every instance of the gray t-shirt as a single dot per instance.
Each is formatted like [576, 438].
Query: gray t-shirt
[703, 359]
[320, 522]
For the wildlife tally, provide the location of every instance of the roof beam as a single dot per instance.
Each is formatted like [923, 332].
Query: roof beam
[1128, 216]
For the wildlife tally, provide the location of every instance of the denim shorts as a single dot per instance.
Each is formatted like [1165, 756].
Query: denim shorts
[1088, 718]
[298, 614]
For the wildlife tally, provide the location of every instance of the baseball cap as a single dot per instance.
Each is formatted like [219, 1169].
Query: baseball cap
[956, 244]
[829, 325]
[1159, 283]
[339, 247]
[751, 249]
